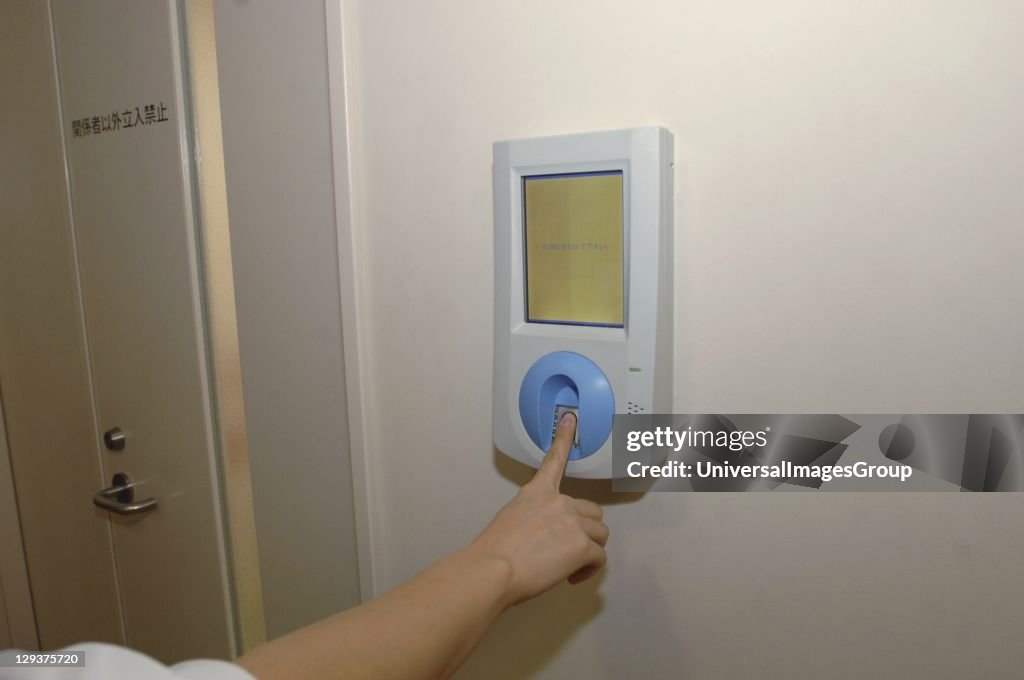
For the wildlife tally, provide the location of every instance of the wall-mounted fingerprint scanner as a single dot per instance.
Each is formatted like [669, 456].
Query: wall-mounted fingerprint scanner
[582, 290]
[561, 410]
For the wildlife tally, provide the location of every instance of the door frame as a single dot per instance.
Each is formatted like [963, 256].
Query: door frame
[201, 92]
[353, 303]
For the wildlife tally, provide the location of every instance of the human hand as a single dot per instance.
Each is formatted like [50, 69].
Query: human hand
[543, 535]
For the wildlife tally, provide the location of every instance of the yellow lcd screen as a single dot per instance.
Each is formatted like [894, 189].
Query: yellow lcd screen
[572, 225]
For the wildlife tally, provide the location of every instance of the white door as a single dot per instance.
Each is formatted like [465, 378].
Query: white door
[125, 120]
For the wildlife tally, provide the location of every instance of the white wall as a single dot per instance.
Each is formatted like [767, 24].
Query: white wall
[849, 215]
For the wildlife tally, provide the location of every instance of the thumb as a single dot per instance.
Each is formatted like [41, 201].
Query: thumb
[553, 467]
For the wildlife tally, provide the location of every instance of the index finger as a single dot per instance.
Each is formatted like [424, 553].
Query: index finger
[553, 467]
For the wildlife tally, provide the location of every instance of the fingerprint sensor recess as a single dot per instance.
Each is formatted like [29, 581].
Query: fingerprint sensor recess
[582, 290]
[561, 382]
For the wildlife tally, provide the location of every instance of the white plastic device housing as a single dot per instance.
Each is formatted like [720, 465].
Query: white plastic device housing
[637, 358]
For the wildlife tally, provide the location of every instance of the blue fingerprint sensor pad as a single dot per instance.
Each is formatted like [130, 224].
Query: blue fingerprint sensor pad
[583, 289]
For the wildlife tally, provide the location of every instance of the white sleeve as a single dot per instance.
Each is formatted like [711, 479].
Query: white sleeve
[110, 662]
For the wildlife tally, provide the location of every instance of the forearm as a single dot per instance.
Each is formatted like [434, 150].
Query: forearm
[426, 627]
[422, 629]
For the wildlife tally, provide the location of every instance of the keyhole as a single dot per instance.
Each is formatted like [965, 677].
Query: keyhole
[114, 438]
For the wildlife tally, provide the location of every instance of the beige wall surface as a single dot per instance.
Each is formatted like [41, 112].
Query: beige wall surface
[17, 617]
[272, 62]
[848, 215]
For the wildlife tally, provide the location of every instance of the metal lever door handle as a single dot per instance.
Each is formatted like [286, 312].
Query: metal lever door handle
[120, 498]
